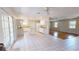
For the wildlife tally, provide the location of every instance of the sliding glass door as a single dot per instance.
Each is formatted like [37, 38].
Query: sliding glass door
[11, 30]
[8, 31]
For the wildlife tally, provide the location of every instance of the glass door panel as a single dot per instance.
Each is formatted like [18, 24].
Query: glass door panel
[8, 30]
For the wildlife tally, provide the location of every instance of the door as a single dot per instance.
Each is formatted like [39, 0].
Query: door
[7, 25]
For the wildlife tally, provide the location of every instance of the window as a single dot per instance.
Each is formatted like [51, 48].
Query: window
[72, 24]
[56, 24]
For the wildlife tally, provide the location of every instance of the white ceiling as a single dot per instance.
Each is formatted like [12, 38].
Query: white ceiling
[63, 12]
[30, 11]
[54, 12]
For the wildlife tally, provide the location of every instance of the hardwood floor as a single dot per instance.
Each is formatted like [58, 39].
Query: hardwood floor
[63, 35]
[42, 42]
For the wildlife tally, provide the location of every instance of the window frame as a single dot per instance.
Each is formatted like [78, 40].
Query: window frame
[55, 24]
[72, 26]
